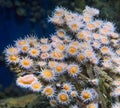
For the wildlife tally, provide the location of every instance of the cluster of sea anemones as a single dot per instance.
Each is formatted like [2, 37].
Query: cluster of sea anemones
[68, 68]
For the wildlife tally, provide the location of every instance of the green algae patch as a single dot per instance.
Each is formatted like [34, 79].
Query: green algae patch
[18, 102]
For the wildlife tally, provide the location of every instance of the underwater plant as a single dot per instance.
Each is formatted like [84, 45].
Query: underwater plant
[77, 67]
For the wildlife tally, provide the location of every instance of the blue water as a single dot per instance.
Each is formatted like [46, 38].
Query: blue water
[12, 29]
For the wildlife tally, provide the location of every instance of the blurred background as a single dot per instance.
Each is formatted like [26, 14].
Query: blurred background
[21, 17]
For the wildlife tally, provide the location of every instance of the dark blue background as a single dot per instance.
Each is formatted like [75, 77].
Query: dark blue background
[12, 28]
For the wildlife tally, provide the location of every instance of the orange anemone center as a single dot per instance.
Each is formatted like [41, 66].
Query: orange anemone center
[74, 26]
[48, 73]
[26, 62]
[86, 95]
[73, 70]
[48, 91]
[63, 97]
[61, 33]
[13, 57]
[36, 85]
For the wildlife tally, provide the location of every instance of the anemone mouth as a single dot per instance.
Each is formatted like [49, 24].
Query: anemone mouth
[91, 26]
[59, 69]
[81, 36]
[87, 18]
[53, 102]
[61, 33]
[13, 57]
[58, 13]
[48, 91]
[45, 48]
[44, 55]
[26, 63]
[74, 27]
[91, 106]
[25, 48]
[61, 47]
[57, 55]
[12, 49]
[52, 64]
[104, 50]
[63, 98]
[22, 42]
[86, 95]
[28, 79]
[36, 86]
[67, 87]
[81, 57]
[48, 74]
[89, 53]
[72, 50]
[73, 70]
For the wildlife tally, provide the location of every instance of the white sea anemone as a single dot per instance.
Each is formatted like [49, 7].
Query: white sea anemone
[48, 74]
[12, 59]
[21, 42]
[44, 56]
[92, 105]
[49, 91]
[88, 95]
[91, 11]
[10, 50]
[72, 50]
[26, 80]
[57, 55]
[73, 70]
[61, 33]
[36, 86]
[45, 48]
[67, 87]
[26, 62]
[25, 48]
[34, 52]
[53, 102]
[63, 98]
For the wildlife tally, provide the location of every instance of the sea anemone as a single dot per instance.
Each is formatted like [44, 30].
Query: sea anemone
[48, 74]
[63, 98]
[12, 59]
[49, 91]
[74, 94]
[67, 87]
[92, 105]
[53, 102]
[57, 55]
[10, 50]
[26, 63]
[87, 95]
[26, 80]
[21, 42]
[72, 50]
[73, 70]
[36, 86]
[33, 52]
